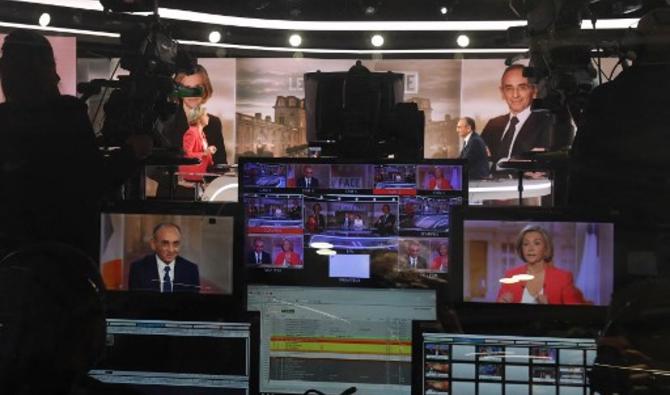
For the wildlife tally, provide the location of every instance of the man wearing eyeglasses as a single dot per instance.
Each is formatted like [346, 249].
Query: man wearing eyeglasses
[520, 130]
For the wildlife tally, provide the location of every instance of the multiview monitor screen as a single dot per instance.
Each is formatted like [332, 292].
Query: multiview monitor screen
[330, 222]
[535, 257]
[448, 363]
[156, 357]
[334, 338]
[168, 249]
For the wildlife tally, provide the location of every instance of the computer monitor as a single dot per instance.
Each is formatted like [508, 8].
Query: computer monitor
[456, 363]
[159, 357]
[532, 256]
[138, 239]
[335, 222]
[333, 338]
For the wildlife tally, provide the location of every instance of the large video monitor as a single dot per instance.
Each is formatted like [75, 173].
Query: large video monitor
[157, 357]
[333, 338]
[328, 222]
[451, 363]
[532, 256]
[154, 252]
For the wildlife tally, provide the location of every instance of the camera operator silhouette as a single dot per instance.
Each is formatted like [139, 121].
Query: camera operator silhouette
[48, 146]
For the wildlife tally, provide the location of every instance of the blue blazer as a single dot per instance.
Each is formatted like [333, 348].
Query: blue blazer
[144, 275]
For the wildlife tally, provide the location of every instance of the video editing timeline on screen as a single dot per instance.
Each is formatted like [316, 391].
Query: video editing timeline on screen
[510, 365]
[333, 338]
[376, 218]
[159, 356]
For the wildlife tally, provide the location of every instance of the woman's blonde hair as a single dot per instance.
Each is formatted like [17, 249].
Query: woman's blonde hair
[195, 115]
[548, 242]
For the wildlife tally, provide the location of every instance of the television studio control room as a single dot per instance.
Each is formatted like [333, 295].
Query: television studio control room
[374, 197]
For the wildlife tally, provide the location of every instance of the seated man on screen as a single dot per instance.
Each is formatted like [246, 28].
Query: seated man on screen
[520, 130]
[307, 181]
[413, 260]
[164, 270]
[549, 284]
[385, 224]
[258, 256]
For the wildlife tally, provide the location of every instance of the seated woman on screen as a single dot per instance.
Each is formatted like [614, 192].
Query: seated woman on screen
[287, 257]
[549, 284]
[441, 260]
[358, 222]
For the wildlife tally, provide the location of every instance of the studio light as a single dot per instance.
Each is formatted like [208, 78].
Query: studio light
[326, 252]
[377, 40]
[45, 19]
[463, 41]
[214, 37]
[321, 245]
[295, 40]
[444, 10]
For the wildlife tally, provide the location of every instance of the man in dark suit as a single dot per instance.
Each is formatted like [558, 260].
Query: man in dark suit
[385, 224]
[474, 149]
[413, 260]
[520, 130]
[258, 256]
[164, 271]
[307, 181]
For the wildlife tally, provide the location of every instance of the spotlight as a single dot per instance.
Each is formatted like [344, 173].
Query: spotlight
[444, 10]
[326, 252]
[370, 10]
[377, 40]
[463, 41]
[214, 37]
[295, 40]
[45, 19]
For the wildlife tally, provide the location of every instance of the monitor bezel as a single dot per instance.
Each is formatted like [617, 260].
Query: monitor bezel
[179, 306]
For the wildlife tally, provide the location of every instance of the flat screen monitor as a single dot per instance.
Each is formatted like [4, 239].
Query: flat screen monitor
[328, 222]
[333, 338]
[532, 256]
[158, 357]
[193, 241]
[455, 363]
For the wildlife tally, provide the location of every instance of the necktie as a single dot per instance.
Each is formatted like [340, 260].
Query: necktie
[258, 258]
[463, 149]
[307, 182]
[506, 141]
[413, 262]
[167, 284]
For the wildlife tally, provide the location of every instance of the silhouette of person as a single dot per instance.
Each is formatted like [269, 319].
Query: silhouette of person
[48, 147]
[53, 321]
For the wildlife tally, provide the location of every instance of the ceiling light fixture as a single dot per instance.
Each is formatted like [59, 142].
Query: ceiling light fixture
[279, 24]
[377, 40]
[425, 51]
[444, 10]
[214, 37]
[45, 19]
[295, 40]
[463, 40]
